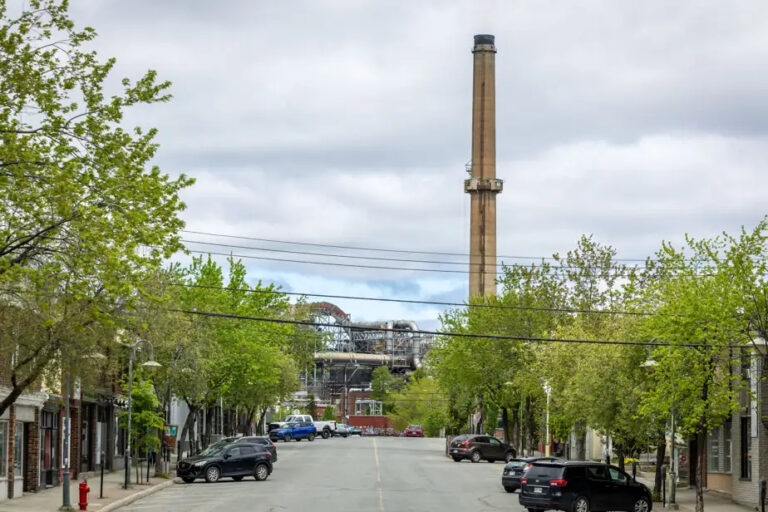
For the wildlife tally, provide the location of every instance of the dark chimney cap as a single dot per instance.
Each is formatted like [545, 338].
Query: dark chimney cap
[484, 39]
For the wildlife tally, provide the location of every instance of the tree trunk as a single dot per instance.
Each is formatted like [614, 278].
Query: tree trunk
[661, 448]
[505, 422]
[515, 427]
[185, 429]
[262, 417]
[701, 442]
[581, 441]
[530, 426]
[620, 455]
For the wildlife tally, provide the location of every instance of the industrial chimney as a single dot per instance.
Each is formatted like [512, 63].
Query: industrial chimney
[482, 186]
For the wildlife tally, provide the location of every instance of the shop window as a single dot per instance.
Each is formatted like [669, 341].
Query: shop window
[3, 448]
[713, 450]
[18, 449]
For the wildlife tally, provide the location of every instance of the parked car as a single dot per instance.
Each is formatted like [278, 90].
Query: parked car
[341, 430]
[355, 431]
[261, 441]
[477, 447]
[414, 431]
[515, 468]
[236, 460]
[296, 430]
[582, 487]
[325, 428]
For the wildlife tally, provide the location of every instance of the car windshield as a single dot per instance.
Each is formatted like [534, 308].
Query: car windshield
[515, 464]
[545, 471]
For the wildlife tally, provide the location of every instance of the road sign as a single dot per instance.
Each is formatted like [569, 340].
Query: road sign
[173, 430]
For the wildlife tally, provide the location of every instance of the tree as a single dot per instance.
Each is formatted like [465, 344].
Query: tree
[146, 417]
[384, 384]
[83, 214]
[311, 408]
[328, 414]
[704, 303]
[420, 403]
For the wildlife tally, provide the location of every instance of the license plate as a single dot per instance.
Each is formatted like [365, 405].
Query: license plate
[538, 490]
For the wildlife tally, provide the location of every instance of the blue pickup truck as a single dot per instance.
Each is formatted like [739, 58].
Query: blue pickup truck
[294, 430]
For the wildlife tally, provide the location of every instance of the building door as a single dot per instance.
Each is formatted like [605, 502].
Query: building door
[49, 439]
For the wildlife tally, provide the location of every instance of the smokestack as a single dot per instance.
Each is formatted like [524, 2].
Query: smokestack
[482, 185]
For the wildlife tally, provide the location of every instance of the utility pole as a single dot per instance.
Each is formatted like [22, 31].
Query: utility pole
[66, 505]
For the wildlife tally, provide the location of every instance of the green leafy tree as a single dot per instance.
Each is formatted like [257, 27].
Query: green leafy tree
[311, 408]
[422, 403]
[84, 216]
[328, 414]
[704, 295]
[146, 415]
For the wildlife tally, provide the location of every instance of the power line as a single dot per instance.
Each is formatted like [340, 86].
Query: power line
[378, 249]
[431, 302]
[615, 272]
[422, 332]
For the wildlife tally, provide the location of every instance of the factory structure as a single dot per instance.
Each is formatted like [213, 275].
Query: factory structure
[350, 353]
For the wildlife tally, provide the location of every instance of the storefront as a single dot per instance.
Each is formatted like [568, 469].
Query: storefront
[19, 445]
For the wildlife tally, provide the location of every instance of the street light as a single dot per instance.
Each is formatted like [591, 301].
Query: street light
[151, 363]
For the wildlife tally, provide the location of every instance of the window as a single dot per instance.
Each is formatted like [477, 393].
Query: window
[617, 476]
[597, 472]
[3, 448]
[18, 449]
[495, 442]
[746, 449]
[234, 451]
[713, 450]
[727, 442]
[247, 450]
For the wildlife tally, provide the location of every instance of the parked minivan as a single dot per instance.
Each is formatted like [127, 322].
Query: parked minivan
[582, 487]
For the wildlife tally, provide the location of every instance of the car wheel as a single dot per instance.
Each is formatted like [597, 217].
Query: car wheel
[475, 457]
[311, 437]
[237, 478]
[641, 505]
[287, 437]
[326, 433]
[581, 504]
[261, 473]
[212, 474]
[344, 435]
[509, 456]
[509, 489]
[188, 479]
[457, 459]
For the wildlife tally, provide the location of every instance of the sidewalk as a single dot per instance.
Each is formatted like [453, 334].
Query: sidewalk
[50, 500]
[686, 500]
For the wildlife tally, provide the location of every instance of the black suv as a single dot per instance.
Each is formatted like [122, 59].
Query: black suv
[479, 447]
[262, 441]
[236, 460]
[581, 487]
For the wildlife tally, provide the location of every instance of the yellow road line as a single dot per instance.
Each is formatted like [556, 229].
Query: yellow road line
[378, 476]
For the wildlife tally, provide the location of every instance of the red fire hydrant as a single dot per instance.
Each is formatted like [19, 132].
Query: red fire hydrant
[84, 490]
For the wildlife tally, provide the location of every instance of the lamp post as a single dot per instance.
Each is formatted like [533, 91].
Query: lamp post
[66, 505]
[548, 390]
[149, 364]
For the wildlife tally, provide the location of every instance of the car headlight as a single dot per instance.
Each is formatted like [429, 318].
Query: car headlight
[200, 463]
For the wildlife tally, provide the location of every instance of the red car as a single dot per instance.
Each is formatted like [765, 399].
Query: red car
[414, 431]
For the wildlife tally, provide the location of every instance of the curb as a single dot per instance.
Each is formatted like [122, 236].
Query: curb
[134, 497]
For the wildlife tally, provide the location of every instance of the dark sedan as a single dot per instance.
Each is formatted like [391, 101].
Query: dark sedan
[479, 447]
[515, 468]
[236, 460]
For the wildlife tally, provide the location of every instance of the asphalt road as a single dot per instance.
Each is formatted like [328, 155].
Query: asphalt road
[369, 474]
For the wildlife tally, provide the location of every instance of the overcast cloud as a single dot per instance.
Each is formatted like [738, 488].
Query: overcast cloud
[348, 122]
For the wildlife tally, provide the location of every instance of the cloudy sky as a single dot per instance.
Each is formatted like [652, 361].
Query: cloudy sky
[348, 122]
